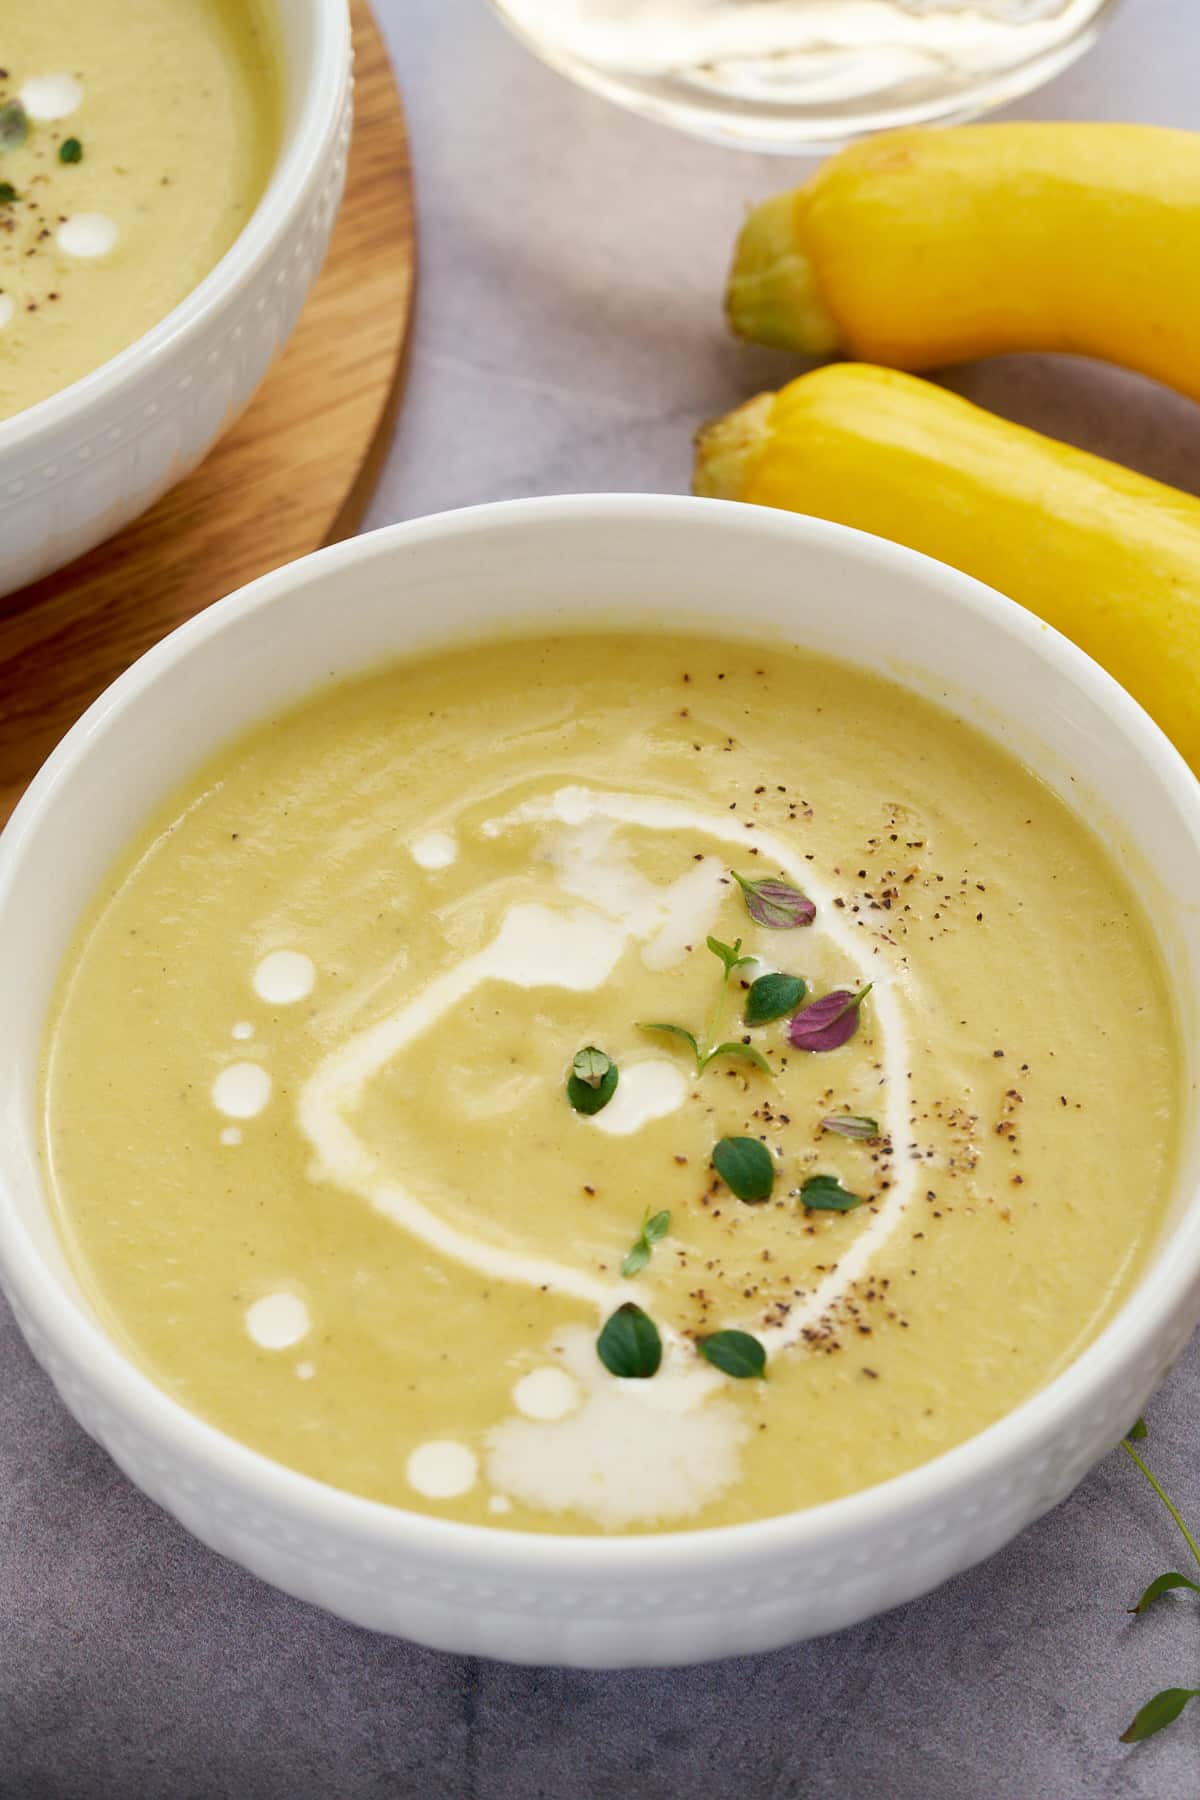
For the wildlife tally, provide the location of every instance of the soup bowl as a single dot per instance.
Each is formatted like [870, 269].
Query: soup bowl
[87, 460]
[643, 562]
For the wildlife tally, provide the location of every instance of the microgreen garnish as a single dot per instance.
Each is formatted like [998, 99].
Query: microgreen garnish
[1164, 1708]
[70, 151]
[775, 904]
[825, 1193]
[592, 1081]
[852, 1125]
[735, 1353]
[828, 1023]
[653, 1228]
[728, 955]
[745, 1166]
[771, 996]
[730, 958]
[14, 125]
[629, 1345]
[679, 1031]
[8, 193]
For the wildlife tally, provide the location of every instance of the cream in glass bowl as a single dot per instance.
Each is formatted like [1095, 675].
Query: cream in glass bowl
[568, 1116]
[168, 183]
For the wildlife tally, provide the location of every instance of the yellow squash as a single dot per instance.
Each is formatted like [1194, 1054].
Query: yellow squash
[1110, 558]
[918, 248]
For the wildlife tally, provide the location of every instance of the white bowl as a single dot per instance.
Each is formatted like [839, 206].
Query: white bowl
[740, 570]
[79, 465]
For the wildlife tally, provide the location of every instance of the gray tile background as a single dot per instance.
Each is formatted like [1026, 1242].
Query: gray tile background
[569, 337]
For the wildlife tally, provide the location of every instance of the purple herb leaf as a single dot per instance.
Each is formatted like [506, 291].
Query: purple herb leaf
[827, 1023]
[775, 904]
[852, 1125]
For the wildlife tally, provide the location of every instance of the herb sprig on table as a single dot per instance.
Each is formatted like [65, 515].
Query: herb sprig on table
[1163, 1708]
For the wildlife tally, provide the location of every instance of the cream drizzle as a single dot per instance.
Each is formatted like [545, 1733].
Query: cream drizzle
[645, 1091]
[87, 234]
[434, 850]
[283, 977]
[48, 97]
[577, 950]
[241, 1090]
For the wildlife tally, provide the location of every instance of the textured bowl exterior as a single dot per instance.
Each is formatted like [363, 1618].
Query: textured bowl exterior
[677, 1597]
[77, 468]
[721, 1601]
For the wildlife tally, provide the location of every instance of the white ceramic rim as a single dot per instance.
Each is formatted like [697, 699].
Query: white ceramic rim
[132, 1394]
[305, 148]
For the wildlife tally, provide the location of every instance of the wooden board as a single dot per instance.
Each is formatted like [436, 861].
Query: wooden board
[294, 473]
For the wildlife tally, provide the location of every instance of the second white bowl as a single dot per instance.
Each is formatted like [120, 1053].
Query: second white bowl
[78, 466]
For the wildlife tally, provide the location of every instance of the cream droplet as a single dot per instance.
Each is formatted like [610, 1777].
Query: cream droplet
[436, 850]
[8, 307]
[87, 234]
[277, 1321]
[231, 1135]
[241, 1090]
[243, 1029]
[56, 96]
[646, 1091]
[305, 1371]
[442, 1469]
[284, 977]
[546, 1394]
[499, 1503]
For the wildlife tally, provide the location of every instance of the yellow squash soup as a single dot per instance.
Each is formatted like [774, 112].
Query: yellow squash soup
[610, 1083]
[135, 142]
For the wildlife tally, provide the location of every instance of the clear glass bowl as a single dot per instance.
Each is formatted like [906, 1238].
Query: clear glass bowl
[806, 75]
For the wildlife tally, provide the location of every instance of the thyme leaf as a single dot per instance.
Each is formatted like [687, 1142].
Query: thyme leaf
[639, 1254]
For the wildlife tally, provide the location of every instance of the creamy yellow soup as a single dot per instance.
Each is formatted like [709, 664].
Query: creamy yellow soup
[136, 139]
[314, 1129]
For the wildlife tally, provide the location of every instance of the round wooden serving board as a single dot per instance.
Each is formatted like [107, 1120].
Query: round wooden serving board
[294, 473]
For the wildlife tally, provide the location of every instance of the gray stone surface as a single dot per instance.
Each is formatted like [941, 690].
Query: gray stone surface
[569, 337]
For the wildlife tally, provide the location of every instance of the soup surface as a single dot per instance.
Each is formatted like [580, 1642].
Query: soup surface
[135, 142]
[309, 1128]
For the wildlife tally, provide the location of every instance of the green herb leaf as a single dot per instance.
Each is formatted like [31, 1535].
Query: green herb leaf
[1162, 1584]
[852, 1125]
[70, 151]
[591, 1065]
[1136, 1431]
[679, 1032]
[735, 1353]
[771, 996]
[635, 1259]
[775, 903]
[592, 1081]
[730, 954]
[14, 125]
[746, 1051]
[1158, 1713]
[652, 1230]
[8, 193]
[745, 1166]
[629, 1345]
[825, 1193]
